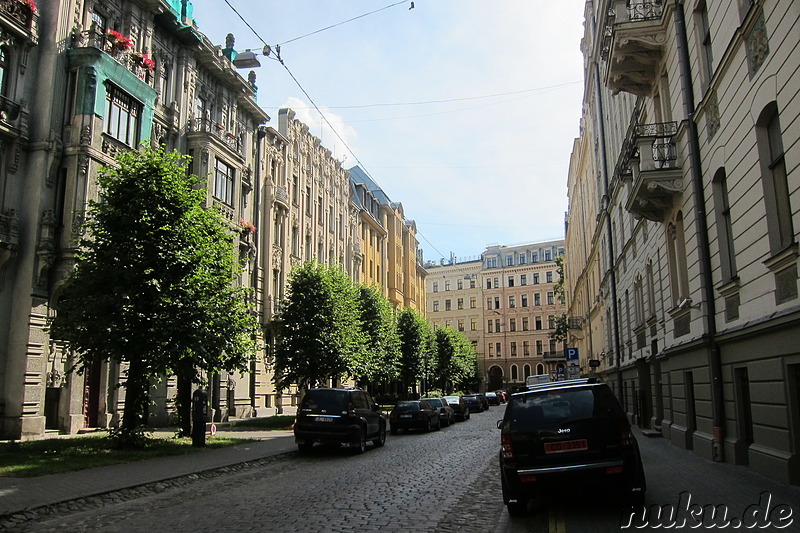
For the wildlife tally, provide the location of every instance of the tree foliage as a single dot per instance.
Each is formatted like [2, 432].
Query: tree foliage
[416, 346]
[456, 362]
[381, 360]
[153, 285]
[319, 328]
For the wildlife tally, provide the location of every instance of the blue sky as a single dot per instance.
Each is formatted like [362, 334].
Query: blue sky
[465, 111]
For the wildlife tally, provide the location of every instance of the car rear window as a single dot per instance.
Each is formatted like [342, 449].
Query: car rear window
[452, 400]
[328, 400]
[554, 408]
[407, 407]
[434, 402]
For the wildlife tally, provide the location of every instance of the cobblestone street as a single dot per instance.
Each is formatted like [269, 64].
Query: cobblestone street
[439, 481]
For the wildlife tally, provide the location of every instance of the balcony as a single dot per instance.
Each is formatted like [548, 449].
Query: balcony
[135, 62]
[9, 236]
[657, 178]
[282, 196]
[217, 131]
[18, 19]
[633, 45]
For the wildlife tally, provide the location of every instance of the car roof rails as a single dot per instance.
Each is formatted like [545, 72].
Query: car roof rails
[557, 384]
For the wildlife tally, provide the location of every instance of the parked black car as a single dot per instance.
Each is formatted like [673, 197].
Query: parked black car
[492, 398]
[474, 403]
[446, 413]
[414, 414]
[460, 409]
[339, 416]
[559, 436]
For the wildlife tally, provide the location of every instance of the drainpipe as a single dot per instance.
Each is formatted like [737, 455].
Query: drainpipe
[261, 132]
[612, 269]
[709, 320]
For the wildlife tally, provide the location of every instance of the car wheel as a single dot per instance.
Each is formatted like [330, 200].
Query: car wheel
[362, 442]
[428, 426]
[305, 447]
[381, 440]
[438, 424]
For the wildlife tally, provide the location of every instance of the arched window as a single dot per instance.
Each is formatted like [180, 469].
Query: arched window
[514, 373]
[539, 369]
[527, 370]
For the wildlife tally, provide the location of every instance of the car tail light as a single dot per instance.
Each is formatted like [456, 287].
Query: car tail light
[506, 447]
[443, 410]
[614, 470]
[625, 434]
[421, 414]
[528, 478]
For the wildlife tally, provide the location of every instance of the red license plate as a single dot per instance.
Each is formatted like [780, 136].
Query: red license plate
[566, 446]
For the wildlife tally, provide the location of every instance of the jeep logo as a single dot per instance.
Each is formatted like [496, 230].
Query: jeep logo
[563, 430]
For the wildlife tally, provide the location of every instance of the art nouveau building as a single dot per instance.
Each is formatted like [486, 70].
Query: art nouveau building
[506, 305]
[682, 225]
[106, 77]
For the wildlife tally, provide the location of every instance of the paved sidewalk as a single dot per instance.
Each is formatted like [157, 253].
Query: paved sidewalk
[20, 494]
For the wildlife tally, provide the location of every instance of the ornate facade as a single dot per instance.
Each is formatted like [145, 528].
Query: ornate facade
[683, 223]
[105, 77]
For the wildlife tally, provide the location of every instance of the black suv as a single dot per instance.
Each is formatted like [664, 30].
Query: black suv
[567, 434]
[339, 416]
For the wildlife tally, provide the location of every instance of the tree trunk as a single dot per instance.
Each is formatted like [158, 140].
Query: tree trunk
[184, 404]
[136, 398]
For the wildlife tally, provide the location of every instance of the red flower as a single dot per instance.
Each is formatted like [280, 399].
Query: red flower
[118, 40]
[30, 3]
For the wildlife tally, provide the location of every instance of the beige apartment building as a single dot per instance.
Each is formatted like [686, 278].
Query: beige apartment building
[118, 73]
[682, 236]
[505, 304]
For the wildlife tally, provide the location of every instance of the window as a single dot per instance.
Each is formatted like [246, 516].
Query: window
[551, 322]
[435, 306]
[523, 279]
[526, 348]
[497, 302]
[552, 346]
[473, 325]
[497, 348]
[489, 326]
[435, 286]
[524, 323]
[538, 322]
[122, 116]
[773, 177]
[488, 303]
[704, 36]
[514, 373]
[496, 283]
[460, 324]
[727, 256]
[510, 260]
[497, 325]
[524, 299]
[223, 182]
[472, 284]
[550, 298]
[549, 276]
[548, 255]
[512, 324]
[539, 349]
[521, 259]
[536, 278]
[676, 251]
[510, 281]
[473, 302]
[447, 285]
[513, 349]
[535, 257]
[512, 302]
[491, 350]
[447, 305]
[460, 303]
[460, 284]
[488, 283]
[537, 299]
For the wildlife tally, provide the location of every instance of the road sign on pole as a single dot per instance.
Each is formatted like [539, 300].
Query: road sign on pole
[571, 354]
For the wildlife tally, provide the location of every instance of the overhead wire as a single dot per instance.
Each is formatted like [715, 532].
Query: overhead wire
[315, 106]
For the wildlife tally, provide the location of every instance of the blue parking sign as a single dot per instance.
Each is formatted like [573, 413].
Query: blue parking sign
[571, 354]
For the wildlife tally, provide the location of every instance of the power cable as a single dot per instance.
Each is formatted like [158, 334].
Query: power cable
[340, 23]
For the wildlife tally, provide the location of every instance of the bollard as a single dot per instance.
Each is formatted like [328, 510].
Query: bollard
[199, 417]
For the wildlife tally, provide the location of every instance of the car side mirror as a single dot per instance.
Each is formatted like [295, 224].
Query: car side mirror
[499, 424]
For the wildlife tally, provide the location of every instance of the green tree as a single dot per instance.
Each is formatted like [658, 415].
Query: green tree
[415, 346]
[319, 330]
[558, 288]
[380, 362]
[455, 360]
[153, 285]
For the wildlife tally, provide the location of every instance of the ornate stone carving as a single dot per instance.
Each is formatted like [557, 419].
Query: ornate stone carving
[757, 42]
[712, 115]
